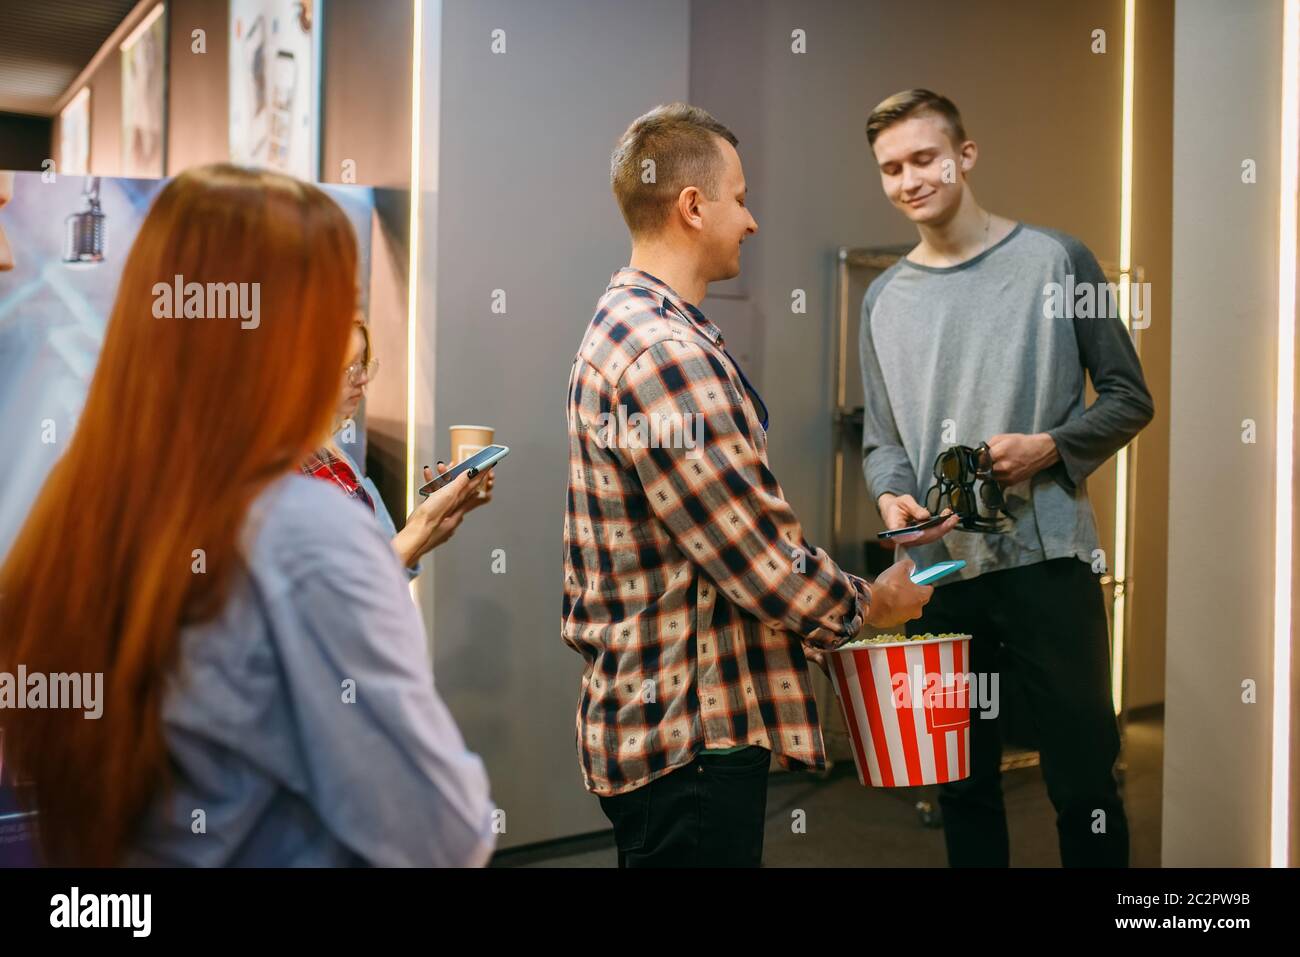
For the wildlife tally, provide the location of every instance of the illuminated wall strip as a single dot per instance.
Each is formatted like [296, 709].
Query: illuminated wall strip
[1119, 605]
[1279, 832]
[413, 263]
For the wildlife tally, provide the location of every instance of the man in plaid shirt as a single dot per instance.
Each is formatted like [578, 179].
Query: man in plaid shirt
[689, 588]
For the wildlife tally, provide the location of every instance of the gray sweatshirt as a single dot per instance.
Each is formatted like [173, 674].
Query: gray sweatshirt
[956, 355]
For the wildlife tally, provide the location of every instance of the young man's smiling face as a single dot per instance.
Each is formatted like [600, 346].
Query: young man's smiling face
[913, 155]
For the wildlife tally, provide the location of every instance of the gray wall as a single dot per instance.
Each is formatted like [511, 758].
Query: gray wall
[198, 96]
[524, 205]
[366, 91]
[106, 116]
[1217, 749]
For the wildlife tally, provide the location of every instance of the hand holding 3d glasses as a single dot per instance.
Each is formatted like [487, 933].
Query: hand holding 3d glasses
[966, 479]
[1017, 457]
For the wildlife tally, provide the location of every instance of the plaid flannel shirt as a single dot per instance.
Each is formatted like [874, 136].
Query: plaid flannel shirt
[689, 588]
[324, 464]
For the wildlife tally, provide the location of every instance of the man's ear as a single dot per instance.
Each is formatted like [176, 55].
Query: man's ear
[969, 155]
[688, 208]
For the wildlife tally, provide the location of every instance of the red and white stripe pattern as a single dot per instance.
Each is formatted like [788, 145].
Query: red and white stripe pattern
[927, 740]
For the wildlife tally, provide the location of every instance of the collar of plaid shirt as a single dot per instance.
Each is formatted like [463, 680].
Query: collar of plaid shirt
[324, 464]
[627, 276]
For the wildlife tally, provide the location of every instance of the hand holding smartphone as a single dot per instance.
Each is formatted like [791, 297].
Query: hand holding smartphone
[928, 576]
[912, 529]
[909, 522]
[482, 459]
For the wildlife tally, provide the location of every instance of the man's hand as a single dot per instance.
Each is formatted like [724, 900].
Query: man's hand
[899, 511]
[1017, 457]
[895, 598]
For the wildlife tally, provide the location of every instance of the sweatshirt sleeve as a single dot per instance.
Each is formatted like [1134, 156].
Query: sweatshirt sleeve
[1123, 405]
[885, 464]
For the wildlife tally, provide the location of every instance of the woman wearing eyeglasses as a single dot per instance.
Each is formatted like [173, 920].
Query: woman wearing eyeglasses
[436, 518]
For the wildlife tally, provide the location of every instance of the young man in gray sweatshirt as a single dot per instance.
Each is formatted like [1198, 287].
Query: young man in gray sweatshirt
[966, 340]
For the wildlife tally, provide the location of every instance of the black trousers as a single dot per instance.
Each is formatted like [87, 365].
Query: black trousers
[1045, 623]
[708, 813]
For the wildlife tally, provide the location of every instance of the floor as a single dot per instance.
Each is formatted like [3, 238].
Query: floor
[851, 826]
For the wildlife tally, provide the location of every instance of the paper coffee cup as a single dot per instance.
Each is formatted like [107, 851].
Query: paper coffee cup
[468, 439]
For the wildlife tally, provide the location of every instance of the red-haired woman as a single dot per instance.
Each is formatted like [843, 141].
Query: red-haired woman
[267, 697]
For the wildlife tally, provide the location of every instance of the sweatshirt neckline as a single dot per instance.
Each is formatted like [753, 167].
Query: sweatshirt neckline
[966, 264]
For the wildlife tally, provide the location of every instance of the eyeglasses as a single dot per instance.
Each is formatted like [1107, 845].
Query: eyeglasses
[956, 470]
[360, 372]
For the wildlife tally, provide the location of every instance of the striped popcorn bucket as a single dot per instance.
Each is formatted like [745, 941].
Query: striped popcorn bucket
[907, 706]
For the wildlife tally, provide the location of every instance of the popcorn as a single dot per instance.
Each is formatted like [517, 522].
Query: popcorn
[898, 639]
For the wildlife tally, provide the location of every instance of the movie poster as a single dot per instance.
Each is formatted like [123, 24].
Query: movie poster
[274, 85]
[74, 135]
[144, 103]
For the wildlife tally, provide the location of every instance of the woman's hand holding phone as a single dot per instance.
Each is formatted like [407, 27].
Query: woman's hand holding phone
[474, 501]
[437, 516]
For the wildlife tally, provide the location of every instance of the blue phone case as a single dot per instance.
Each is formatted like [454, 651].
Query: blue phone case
[928, 576]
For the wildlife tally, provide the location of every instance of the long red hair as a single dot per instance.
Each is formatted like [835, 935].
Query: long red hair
[185, 422]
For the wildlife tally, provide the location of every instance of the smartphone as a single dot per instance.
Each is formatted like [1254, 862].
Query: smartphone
[912, 529]
[929, 576]
[484, 457]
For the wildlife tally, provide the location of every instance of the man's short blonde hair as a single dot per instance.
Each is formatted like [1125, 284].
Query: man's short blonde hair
[909, 103]
[663, 152]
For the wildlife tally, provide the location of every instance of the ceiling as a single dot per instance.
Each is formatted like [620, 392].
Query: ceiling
[44, 44]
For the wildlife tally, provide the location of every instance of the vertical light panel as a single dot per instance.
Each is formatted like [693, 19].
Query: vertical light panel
[1120, 602]
[413, 262]
[1279, 832]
